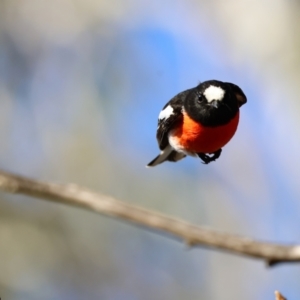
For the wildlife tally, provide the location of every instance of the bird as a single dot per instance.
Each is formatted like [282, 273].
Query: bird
[199, 122]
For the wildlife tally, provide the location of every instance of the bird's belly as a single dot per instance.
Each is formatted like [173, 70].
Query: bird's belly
[191, 137]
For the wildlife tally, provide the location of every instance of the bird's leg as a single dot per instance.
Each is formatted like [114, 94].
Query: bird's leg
[207, 159]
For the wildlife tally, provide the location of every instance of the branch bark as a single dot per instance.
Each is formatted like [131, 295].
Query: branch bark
[192, 235]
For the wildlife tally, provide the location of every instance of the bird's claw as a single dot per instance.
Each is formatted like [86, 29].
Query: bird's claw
[206, 159]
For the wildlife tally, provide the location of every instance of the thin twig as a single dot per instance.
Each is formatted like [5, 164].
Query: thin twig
[192, 235]
[278, 296]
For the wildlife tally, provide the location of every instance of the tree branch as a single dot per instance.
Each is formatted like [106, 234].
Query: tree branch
[192, 235]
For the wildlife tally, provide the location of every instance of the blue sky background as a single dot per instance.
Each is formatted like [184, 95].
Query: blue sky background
[81, 86]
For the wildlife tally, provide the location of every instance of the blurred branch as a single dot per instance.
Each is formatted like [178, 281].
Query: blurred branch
[192, 235]
[278, 296]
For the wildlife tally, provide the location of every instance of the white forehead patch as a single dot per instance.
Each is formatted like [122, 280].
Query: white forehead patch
[166, 113]
[214, 93]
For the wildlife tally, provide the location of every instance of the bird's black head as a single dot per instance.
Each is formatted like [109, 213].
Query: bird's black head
[214, 103]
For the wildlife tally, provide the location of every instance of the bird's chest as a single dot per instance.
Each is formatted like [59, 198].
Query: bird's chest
[191, 137]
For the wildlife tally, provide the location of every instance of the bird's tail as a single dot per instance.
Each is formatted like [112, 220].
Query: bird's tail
[167, 154]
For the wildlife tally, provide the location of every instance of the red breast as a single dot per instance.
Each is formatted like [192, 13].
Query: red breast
[194, 137]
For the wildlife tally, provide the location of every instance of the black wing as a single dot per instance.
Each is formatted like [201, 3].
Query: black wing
[167, 124]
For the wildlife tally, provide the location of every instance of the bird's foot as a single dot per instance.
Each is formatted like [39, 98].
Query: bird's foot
[206, 159]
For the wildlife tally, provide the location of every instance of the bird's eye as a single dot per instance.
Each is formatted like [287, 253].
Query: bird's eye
[199, 97]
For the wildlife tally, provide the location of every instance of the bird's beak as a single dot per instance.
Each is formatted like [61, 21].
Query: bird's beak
[215, 103]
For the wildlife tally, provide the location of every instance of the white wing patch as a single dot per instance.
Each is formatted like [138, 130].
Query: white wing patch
[214, 93]
[166, 113]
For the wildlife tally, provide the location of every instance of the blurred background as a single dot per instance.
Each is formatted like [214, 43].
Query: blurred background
[81, 86]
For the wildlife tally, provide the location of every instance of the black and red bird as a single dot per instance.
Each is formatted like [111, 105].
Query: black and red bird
[199, 122]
